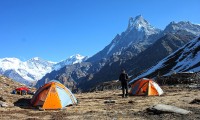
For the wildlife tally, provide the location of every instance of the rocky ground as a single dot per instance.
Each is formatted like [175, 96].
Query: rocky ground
[103, 105]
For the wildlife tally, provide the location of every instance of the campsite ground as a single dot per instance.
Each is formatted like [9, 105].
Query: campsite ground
[107, 105]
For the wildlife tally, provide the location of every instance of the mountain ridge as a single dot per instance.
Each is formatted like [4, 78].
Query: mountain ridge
[185, 59]
[122, 52]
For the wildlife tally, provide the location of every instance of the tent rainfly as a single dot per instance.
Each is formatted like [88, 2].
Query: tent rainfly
[146, 87]
[53, 95]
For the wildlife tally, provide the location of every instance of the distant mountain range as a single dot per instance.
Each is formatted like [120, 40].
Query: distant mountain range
[30, 71]
[138, 48]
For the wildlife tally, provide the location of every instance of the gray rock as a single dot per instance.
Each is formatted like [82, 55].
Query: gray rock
[162, 108]
[3, 104]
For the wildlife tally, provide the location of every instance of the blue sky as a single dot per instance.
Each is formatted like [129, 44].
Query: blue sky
[57, 29]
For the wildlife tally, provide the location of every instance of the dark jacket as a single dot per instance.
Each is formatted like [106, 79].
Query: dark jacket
[123, 77]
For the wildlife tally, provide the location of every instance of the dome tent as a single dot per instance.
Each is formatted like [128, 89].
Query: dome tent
[53, 95]
[146, 87]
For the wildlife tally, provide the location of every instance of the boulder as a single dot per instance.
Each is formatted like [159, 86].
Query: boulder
[162, 108]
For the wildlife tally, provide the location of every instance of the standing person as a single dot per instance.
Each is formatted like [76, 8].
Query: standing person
[124, 82]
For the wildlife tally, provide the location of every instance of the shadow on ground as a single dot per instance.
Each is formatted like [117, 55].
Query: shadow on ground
[24, 103]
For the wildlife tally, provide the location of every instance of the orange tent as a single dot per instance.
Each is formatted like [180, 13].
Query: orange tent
[53, 95]
[145, 86]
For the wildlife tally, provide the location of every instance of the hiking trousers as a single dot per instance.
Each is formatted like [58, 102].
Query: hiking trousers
[124, 89]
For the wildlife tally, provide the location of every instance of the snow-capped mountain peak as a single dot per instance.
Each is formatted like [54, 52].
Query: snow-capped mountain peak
[77, 56]
[140, 24]
[9, 63]
[137, 22]
[137, 37]
[182, 25]
[36, 58]
[71, 60]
